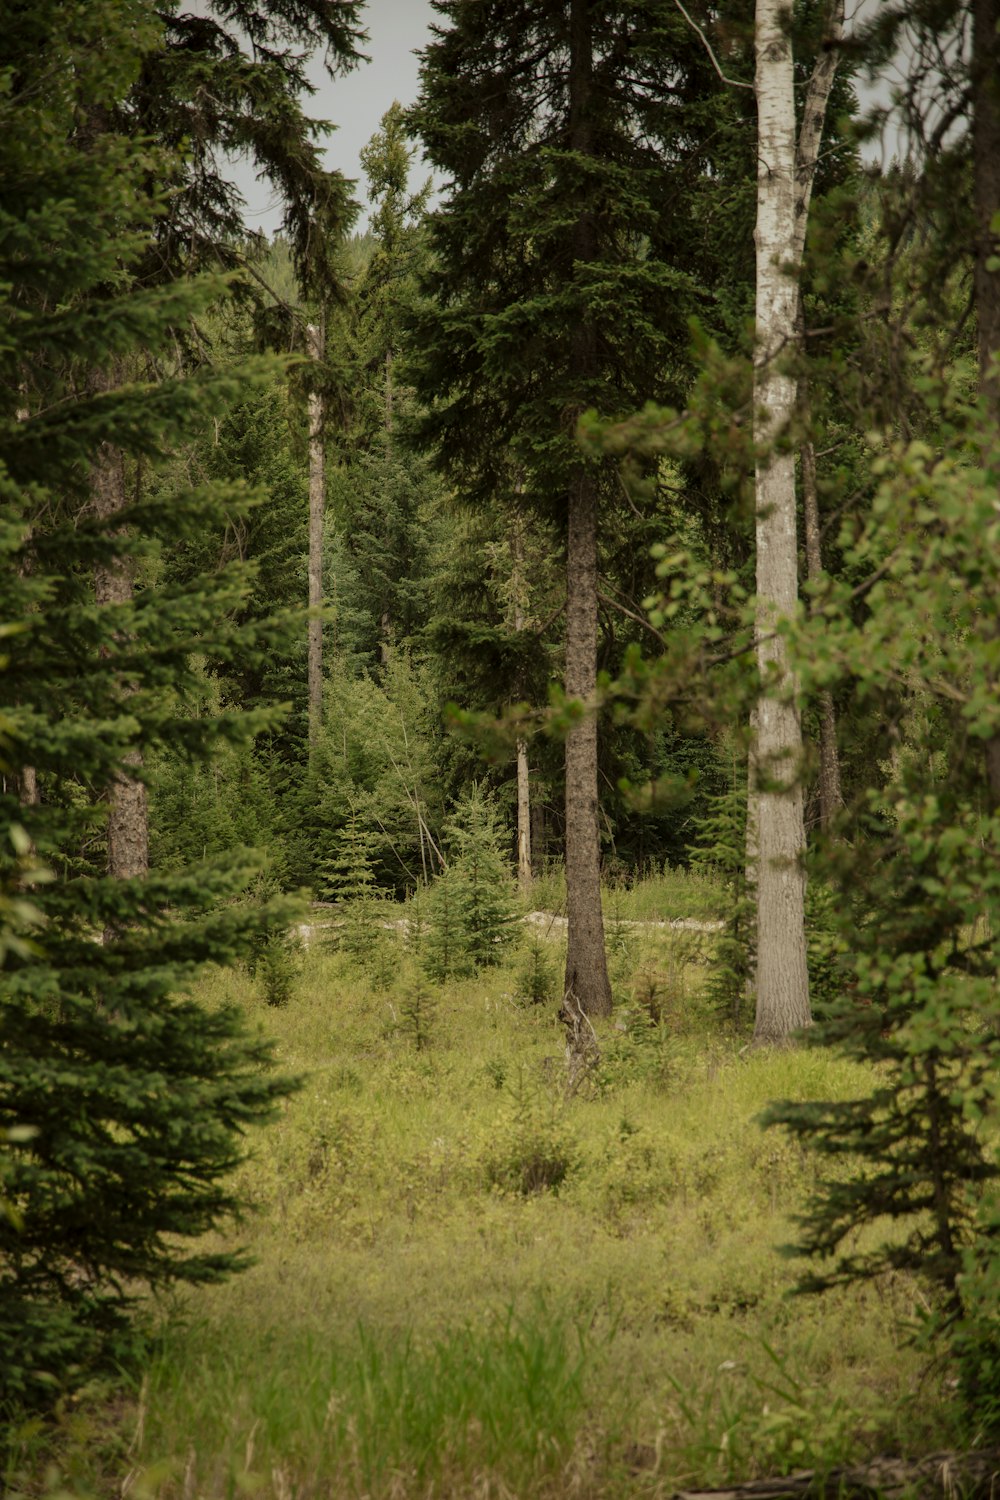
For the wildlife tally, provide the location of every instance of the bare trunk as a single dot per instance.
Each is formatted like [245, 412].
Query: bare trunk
[830, 798]
[539, 839]
[523, 818]
[523, 784]
[782, 975]
[586, 963]
[317, 487]
[752, 853]
[986, 182]
[128, 819]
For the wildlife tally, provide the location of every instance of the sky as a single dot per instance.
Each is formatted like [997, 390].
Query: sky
[356, 102]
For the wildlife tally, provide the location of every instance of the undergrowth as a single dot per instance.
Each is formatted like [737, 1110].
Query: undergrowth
[470, 1279]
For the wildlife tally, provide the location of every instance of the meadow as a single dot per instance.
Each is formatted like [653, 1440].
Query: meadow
[470, 1278]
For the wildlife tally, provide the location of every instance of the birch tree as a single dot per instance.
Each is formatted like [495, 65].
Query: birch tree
[785, 172]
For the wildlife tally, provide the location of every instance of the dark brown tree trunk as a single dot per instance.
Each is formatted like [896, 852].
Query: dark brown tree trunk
[586, 961]
[317, 487]
[128, 818]
[830, 798]
[986, 181]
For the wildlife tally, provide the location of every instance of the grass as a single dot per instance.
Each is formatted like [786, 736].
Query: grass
[666, 896]
[468, 1282]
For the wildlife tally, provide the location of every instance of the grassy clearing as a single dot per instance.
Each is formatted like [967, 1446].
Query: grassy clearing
[663, 897]
[468, 1283]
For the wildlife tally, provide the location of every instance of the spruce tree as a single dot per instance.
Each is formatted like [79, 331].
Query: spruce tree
[473, 903]
[563, 277]
[122, 1101]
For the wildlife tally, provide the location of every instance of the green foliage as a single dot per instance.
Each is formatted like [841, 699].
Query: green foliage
[375, 1212]
[509, 292]
[349, 880]
[417, 1010]
[278, 968]
[918, 895]
[502, 1396]
[122, 1100]
[536, 975]
[723, 853]
[473, 903]
[374, 766]
[532, 1149]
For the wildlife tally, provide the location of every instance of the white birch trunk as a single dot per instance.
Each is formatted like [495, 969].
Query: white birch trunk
[782, 975]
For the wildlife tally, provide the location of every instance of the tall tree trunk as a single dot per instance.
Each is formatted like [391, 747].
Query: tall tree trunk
[586, 961]
[786, 171]
[782, 974]
[317, 488]
[986, 187]
[518, 589]
[128, 817]
[752, 850]
[830, 798]
[523, 818]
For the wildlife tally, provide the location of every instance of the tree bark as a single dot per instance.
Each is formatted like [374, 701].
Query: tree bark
[586, 960]
[518, 590]
[986, 188]
[317, 488]
[128, 817]
[523, 818]
[782, 974]
[830, 798]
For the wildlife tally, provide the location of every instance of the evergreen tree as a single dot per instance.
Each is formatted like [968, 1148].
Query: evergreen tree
[562, 279]
[473, 902]
[228, 80]
[122, 1101]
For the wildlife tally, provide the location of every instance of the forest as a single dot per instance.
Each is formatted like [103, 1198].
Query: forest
[500, 753]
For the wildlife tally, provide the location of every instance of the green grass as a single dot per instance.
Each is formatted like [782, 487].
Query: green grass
[468, 1283]
[668, 896]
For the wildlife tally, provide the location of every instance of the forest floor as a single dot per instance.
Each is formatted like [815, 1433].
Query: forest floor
[470, 1281]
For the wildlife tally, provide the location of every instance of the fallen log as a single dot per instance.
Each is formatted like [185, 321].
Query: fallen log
[954, 1476]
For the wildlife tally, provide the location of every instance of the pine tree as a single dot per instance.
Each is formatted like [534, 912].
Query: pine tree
[562, 276]
[122, 1102]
